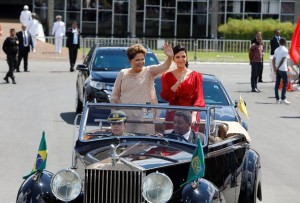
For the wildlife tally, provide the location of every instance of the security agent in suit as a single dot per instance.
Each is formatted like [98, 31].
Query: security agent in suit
[182, 128]
[73, 43]
[274, 42]
[25, 42]
[10, 47]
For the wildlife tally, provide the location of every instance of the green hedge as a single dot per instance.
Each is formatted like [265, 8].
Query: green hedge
[246, 29]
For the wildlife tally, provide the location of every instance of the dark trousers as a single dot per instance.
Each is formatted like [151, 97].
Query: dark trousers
[23, 55]
[255, 67]
[12, 65]
[281, 75]
[260, 72]
[73, 50]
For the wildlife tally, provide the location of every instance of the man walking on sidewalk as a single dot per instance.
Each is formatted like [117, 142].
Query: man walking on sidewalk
[10, 47]
[25, 42]
[73, 43]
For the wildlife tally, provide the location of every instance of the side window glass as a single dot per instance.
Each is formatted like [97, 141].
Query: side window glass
[89, 56]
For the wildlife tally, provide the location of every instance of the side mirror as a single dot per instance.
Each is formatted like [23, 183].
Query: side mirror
[82, 67]
[236, 103]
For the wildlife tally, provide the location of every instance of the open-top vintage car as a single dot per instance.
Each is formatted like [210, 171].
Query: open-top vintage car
[151, 167]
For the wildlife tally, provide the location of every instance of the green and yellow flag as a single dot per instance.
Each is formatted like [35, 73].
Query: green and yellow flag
[242, 106]
[41, 158]
[197, 166]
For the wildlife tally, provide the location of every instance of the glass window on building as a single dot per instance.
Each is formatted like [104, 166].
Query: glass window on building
[167, 29]
[253, 7]
[199, 26]
[270, 7]
[287, 11]
[183, 28]
[105, 26]
[235, 6]
[152, 29]
[139, 23]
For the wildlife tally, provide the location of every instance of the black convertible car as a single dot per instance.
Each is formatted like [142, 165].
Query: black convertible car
[142, 167]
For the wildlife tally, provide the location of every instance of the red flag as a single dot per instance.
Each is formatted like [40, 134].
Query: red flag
[295, 43]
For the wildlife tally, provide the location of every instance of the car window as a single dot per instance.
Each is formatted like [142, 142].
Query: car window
[117, 60]
[214, 94]
[157, 85]
[110, 61]
[89, 56]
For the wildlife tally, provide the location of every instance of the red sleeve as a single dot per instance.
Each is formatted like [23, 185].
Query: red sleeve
[167, 81]
[199, 99]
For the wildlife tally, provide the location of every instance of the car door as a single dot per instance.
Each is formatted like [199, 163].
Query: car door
[223, 166]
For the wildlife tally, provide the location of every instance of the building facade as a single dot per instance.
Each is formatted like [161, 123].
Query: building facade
[161, 18]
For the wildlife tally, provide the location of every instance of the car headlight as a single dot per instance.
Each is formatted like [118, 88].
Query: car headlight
[157, 188]
[97, 85]
[66, 185]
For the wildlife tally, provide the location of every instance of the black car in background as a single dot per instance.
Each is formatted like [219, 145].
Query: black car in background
[97, 74]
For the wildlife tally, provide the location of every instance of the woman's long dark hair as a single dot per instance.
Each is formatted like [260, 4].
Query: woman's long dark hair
[179, 48]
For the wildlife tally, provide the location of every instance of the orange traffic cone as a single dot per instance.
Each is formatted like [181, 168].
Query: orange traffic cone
[290, 85]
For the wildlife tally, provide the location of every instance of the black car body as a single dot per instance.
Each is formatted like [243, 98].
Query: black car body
[97, 74]
[120, 169]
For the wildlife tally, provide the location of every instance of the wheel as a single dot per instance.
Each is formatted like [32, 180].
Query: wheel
[79, 105]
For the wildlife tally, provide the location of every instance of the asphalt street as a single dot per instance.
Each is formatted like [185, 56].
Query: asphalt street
[44, 100]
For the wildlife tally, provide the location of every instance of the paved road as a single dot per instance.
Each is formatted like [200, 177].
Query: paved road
[43, 99]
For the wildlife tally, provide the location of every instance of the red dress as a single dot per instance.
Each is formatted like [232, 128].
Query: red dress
[189, 92]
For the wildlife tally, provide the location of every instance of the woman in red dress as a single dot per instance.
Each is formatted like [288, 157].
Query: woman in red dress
[181, 86]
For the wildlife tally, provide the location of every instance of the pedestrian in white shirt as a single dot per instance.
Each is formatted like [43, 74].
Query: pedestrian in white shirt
[280, 67]
[33, 29]
[25, 16]
[59, 30]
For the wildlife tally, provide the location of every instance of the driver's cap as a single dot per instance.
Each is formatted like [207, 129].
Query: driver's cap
[117, 116]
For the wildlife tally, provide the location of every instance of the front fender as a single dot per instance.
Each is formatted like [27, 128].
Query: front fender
[201, 192]
[251, 178]
[36, 189]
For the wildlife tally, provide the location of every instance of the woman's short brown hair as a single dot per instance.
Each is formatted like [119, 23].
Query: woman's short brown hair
[135, 49]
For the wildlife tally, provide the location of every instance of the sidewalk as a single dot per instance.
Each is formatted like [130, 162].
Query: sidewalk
[43, 50]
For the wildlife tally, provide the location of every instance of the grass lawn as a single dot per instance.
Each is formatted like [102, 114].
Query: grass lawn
[214, 56]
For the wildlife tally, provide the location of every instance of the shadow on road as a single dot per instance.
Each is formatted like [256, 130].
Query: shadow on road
[297, 117]
[68, 117]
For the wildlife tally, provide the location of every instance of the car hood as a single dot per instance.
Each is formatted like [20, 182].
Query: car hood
[136, 155]
[104, 76]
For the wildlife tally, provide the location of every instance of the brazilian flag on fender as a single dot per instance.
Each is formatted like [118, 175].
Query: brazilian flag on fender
[197, 166]
[41, 158]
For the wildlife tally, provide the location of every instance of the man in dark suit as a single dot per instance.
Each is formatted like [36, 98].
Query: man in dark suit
[275, 41]
[73, 43]
[182, 128]
[25, 42]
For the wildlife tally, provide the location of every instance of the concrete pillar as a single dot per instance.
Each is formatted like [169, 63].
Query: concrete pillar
[132, 18]
[297, 11]
[50, 16]
[214, 18]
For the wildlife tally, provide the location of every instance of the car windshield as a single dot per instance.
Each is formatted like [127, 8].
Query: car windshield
[141, 120]
[115, 60]
[214, 94]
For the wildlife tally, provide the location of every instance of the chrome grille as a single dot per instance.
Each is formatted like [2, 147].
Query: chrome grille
[107, 186]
